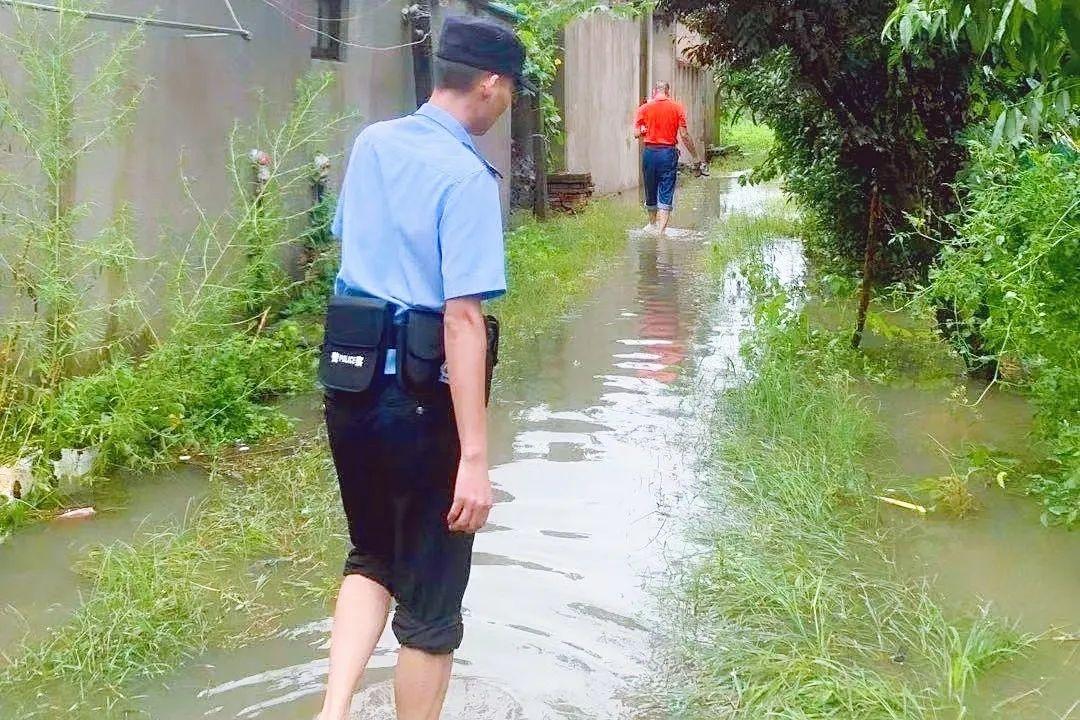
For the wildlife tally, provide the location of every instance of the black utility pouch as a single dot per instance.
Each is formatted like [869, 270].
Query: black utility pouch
[420, 353]
[354, 344]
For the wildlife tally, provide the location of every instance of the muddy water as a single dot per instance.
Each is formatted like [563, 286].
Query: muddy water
[559, 606]
[39, 584]
[591, 452]
[999, 555]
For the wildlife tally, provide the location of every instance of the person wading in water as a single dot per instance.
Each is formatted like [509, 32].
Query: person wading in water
[660, 123]
[406, 359]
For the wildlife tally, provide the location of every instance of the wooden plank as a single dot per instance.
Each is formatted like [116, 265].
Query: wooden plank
[569, 177]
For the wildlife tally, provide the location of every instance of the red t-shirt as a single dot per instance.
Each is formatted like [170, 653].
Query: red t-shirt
[660, 120]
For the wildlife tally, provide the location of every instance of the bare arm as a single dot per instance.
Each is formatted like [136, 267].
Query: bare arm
[684, 134]
[639, 125]
[465, 339]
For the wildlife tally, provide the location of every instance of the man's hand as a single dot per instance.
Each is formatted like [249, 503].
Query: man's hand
[466, 352]
[472, 497]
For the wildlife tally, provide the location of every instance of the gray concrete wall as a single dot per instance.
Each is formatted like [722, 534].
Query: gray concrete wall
[600, 85]
[600, 95]
[200, 88]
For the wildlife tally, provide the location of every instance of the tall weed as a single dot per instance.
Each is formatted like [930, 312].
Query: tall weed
[1011, 283]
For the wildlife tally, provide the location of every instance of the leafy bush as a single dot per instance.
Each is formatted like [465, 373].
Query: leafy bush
[848, 116]
[181, 396]
[1012, 282]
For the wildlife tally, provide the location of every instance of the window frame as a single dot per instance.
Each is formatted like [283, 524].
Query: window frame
[330, 33]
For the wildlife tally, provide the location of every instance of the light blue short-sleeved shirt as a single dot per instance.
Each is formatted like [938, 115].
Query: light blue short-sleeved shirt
[419, 216]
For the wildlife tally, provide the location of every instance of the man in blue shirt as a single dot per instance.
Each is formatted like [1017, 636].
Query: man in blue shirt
[421, 228]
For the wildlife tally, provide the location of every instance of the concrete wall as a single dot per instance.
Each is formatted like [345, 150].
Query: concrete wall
[200, 88]
[601, 87]
[600, 94]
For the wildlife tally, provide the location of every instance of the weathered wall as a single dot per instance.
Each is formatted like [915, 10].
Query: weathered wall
[600, 95]
[601, 88]
[201, 87]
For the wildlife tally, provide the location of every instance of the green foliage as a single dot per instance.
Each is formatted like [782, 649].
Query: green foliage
[1011, 281]
[1030, 50]
[846, 119]
[60, 116]
[180, 396]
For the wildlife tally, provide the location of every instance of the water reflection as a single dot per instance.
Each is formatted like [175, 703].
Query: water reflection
[660, 319]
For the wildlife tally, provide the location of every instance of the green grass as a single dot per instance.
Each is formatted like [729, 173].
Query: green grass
[737, 234]
[187, 585]
[270, 533]
[750, 145]
[181, 397]
[796, 610]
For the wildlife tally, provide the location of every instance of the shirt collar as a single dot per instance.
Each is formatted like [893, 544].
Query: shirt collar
[455, 128]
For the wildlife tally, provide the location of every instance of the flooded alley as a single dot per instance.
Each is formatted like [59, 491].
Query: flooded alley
[596, 451]
[560, 613]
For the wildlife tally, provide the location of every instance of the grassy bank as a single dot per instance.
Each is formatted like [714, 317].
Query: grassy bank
[749, 144]
[795, 609]
[551, 267]
[270, 533]
[191, 356]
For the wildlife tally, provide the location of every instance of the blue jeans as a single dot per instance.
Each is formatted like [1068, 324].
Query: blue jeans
[660, 165]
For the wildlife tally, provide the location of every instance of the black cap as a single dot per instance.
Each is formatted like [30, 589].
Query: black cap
[484, 45]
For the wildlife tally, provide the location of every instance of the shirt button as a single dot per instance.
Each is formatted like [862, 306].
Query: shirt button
[419, 409]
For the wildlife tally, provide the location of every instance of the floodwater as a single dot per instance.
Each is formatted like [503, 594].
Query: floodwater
[587, 465]
[999, 555]
[593, 453]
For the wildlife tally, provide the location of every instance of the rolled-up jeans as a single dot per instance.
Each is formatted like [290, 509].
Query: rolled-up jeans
[660, 166]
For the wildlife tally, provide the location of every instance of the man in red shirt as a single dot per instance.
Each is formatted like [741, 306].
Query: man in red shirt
[661, 122]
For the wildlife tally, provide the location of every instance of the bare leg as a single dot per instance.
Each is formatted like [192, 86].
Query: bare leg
[359, 619]
[662, 218]
[420, 683]
[652, 217]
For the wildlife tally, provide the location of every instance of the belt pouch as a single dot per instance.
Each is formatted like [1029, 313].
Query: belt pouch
[420, 354]
[353, 344]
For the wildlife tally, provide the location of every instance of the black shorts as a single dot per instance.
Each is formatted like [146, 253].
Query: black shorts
[396, 460]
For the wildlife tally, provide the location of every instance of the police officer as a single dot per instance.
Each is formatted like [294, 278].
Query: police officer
[421, 229]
